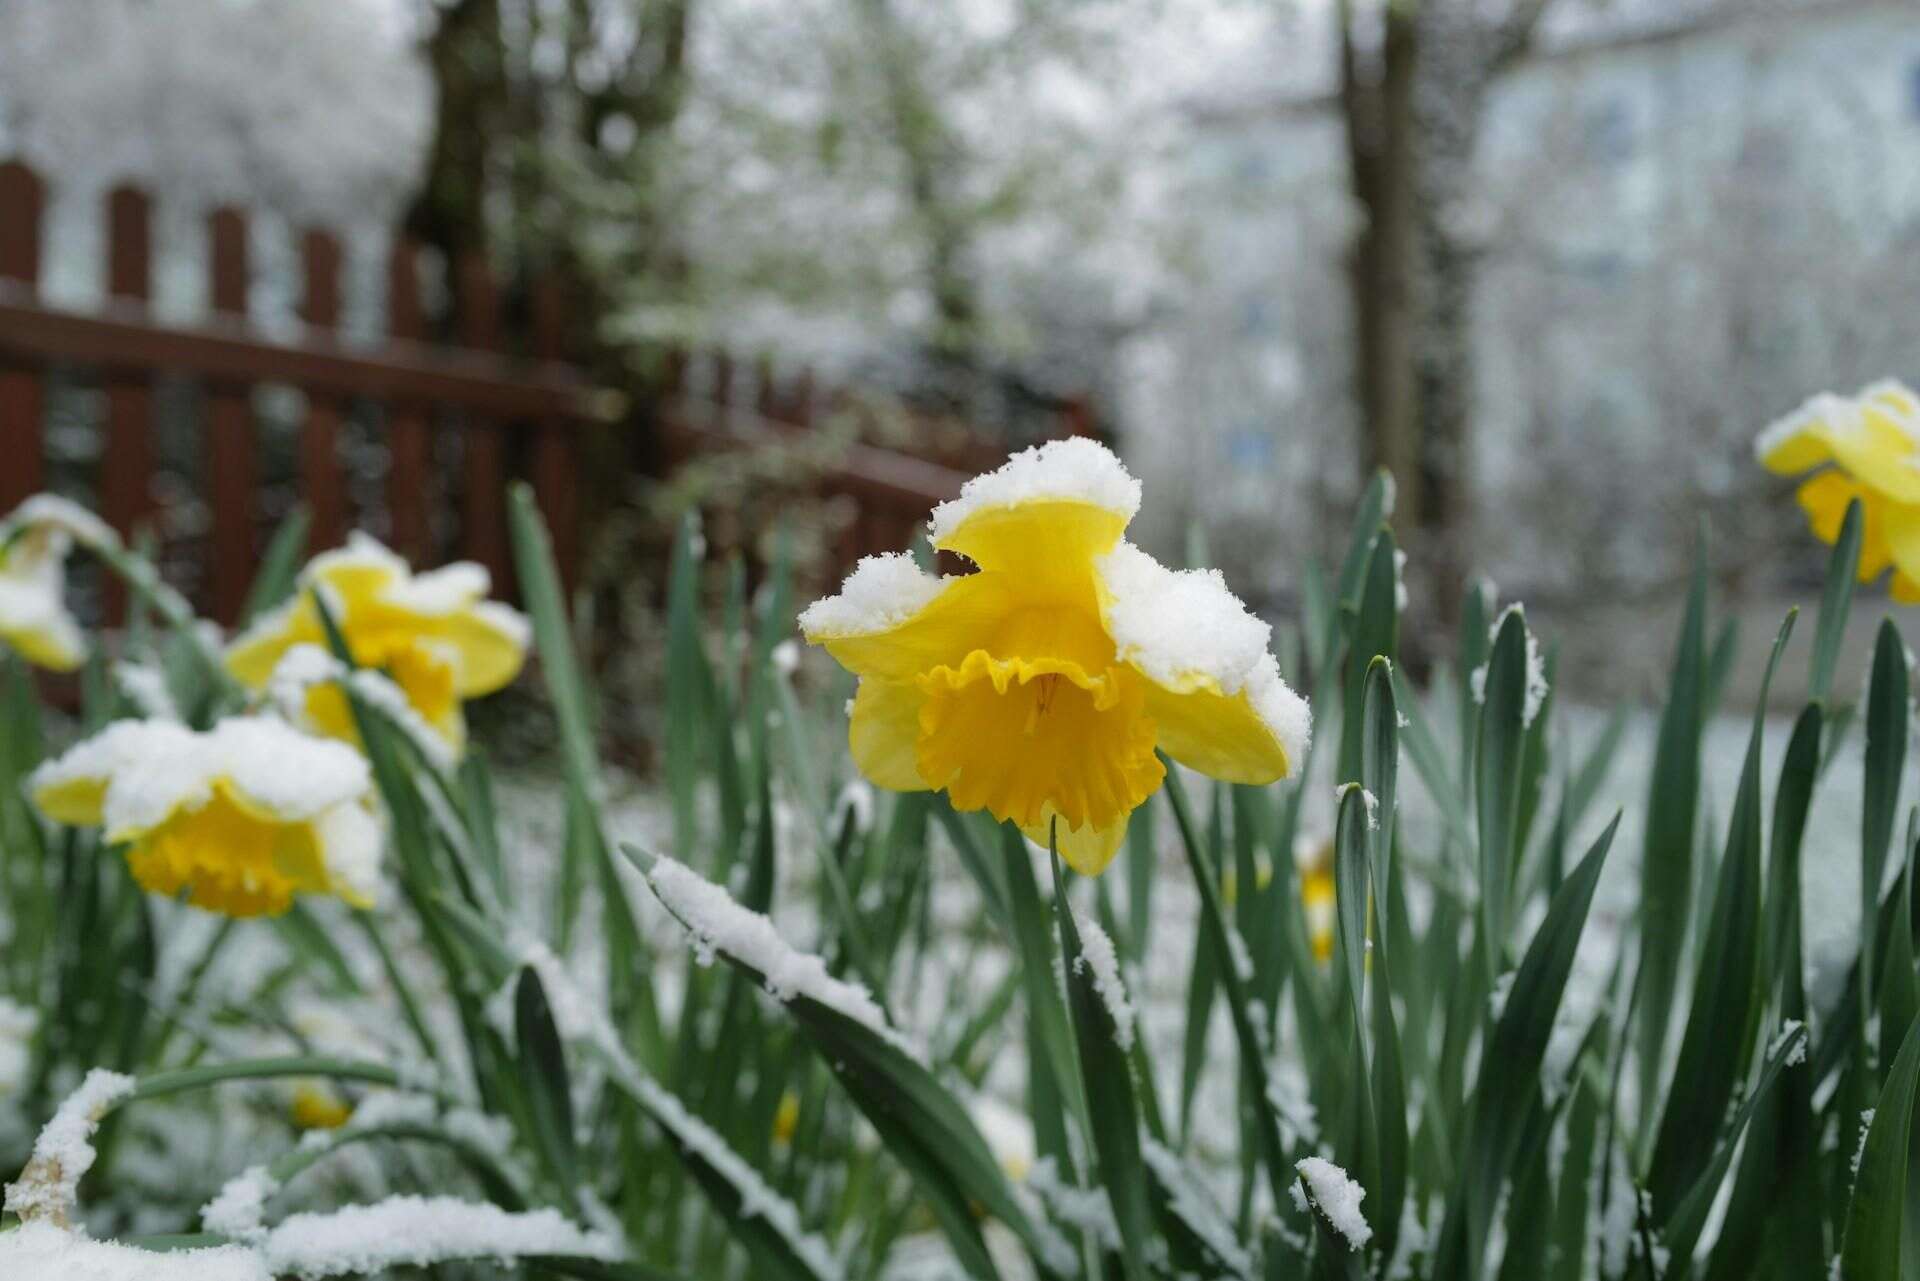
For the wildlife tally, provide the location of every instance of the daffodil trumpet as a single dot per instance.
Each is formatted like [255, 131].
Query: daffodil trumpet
[1039, 686]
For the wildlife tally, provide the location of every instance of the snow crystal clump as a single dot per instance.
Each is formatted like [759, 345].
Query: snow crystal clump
[1336, 1196]
[881, 593]
[1075, 470]
[1536, 668]
[1099, 960]
[1866, 1127]
[721, 926]
[1788, 1030]
[1367, 798]
[64, 1151]
[419, 1232]
[786, 658]
[241, 1205]
[1187, 631]
[43, 1252]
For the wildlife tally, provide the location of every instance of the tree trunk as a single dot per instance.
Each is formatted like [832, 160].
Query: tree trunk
[469, 84]
[1380, 135]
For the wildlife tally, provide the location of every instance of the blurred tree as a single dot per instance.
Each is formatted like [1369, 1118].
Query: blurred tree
[1414, 76]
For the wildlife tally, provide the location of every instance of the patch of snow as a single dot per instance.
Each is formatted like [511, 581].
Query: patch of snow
[1336, 1196]
[64, 1153]
[1099, 960]
[240, 1207]
[721, 926]
[419, 1232]
[880, 594]
[1076, 469]
[43, 1252]
[1187, 631]
[1367, 798]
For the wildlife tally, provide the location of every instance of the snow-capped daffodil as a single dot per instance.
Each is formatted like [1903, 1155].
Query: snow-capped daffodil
[34, 541]
[240, 817]
[1039, 686]
[435, 634]
[1873, 443]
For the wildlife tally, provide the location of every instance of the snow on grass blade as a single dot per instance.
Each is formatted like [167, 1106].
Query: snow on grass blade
[881, 1069]
[1249, 1035]
[43, 1252]
[1878, 1245]
[414, 1231]
[48, 1188]
[1322, 1190]
[1103, 1029]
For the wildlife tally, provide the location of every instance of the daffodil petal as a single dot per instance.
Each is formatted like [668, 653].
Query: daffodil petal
[1045, 513]
[882, 732]
[1825, 498]
[892, 619]
[1902, 531]
[1874, 437]
[492, 641]
[1087, 850]
[1213, 689]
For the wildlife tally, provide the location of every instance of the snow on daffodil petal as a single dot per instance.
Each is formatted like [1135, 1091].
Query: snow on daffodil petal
[34, 541]
[1038, 687]
[1868, 447]
[240, 817]
[436, 635]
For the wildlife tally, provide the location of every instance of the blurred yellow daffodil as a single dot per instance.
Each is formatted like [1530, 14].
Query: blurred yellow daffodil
[1313, 861]
[436, 635]
[1873, 443]
[786, 1118]
[1038, 687]
[34, 541]
[241, 817]
[316, 1107]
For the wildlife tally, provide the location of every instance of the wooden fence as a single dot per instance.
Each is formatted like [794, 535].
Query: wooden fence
[514, 412]
[494, 394]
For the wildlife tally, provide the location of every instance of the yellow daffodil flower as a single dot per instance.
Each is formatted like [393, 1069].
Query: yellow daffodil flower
[316, 1107]
[241, 817]
[1038, 687]
[1313, 860]
[34, 541]
[1873, 443]
[436, 635]
[786, 1119]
